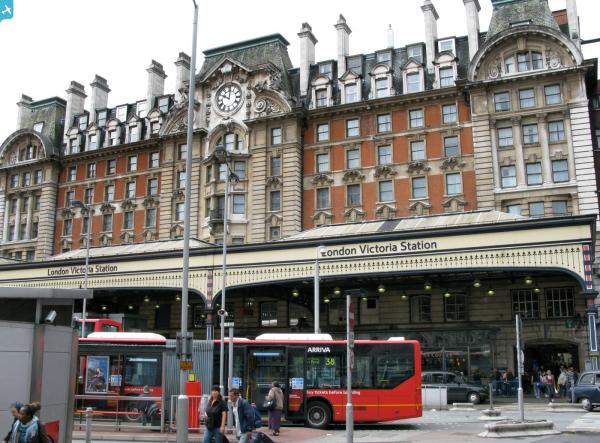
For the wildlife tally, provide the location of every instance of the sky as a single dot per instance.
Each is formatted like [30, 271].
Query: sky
[48, 43]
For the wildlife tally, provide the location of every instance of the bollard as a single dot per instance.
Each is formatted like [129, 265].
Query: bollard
[491, 397]
[89, 414]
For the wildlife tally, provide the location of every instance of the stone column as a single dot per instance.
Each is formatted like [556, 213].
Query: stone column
[29, 217]
[546, 166]
[494, 143]
[18, 219]
[518, 144]
[6, 218]
[571, 153]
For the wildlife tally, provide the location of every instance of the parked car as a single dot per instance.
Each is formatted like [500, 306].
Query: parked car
[587, 390]
[459, 390]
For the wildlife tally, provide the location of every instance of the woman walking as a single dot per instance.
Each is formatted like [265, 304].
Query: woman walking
[29, 429]
[276, 397]
[216, 417]
[14, 411]
[549, 383]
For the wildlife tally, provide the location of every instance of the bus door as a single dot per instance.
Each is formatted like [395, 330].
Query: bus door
[295, 390]
[265, 365]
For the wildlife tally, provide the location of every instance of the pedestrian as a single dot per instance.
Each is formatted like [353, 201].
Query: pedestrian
[243, 415]
[571, 379]
[276, 397]
[549, 383]
[562, 382]
[29, 429]
[216, 417]
[14, 411]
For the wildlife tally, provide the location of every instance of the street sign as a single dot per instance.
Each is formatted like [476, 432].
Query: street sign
[186, 365]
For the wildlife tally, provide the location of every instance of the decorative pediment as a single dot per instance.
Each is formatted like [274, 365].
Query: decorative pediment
[322, 218]
[507, 161]
[176, 121]
[322, 179]
[128, 205]
[178, 195]
[66, 213]
[93, 128]
[411, 63]
[417, 167]
[559, 155]
[105, 239]
[274, 220]
[349, 76]
[85, 211]
[353, 175]
[420, 207]
[445, 57]
[380, 69]
[127, 237]
[65, 243]
[456, 203]
[385, 211]
[149, 234]
[384, 171]
[106, 208]
[229, 67]
[176, 231]
[150, 202]
[321, 80]
[451, 163]
[264, 106]
[273, 182]
[354, 215]
[532, 158]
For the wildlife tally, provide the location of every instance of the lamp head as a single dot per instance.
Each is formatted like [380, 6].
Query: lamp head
[337, 291]
[477, 283]
[295, 293]
[221, 153]
[427, 286]
[381, 289]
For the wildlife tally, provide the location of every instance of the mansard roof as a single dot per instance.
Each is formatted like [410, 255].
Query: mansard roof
[508, 13]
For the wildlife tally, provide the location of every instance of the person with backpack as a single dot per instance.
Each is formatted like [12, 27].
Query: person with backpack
[275, 407]
[216, 417]
[29, 429]
[243, 416]
[14, 411]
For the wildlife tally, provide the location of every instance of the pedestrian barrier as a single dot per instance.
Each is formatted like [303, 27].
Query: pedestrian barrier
[434, 397]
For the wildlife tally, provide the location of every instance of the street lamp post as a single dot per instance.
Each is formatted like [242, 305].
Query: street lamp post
[316, 291]
[83, 206]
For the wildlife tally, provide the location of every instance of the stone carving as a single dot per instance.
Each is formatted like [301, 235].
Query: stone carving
[417, 167]
[106, 208]
[385, 212]
[322, 179]
[352, 175]
[273, 182]
[128, 205]
[454, 204]
[322, 218]
[495, 68]
[384, 171]
[66, 213]
[553, 60]
[127, 237]
[266, 106]
[420, 207]
[178, 194]
[354, 215]
[451, 163]
[150, 202]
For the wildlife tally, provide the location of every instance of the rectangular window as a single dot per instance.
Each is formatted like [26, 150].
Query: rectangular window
[353, 195]
[113, 138]
[322, 162]
[508, 176]
[455, 307]
[27, 179]
[91, 170]
[93, 141]
[352, 159]
[83, 121]
[560, 171]
[351, 93]
[132, 163]
[536, 209]
[536, 60]
[453, 184]
[239, 169]
[150, 218]
[323, 132]
[72, 174]
[67, 227]
[384, 123]
[527, 98]
[321, 96]
[14, 181]
[11, 233]
[416, 118]
[559, 207]
[154, 127]
[386, 191]
[384, 155]
[223, 172]
[526, 303]
[130, 189]
[451, 146]
[84, 224]
[446, 77]
[413, 82]
[276, 136]
[268, 314]
[163, 104]
[381, 88]
[179, 211]
[74, 145]
[239, 204]
[530, 134]
[509, 65]
[449, 114]
[275, 201]
[352, 128]
[38, 177]
[128, 220]
[154, 160]
[513, 209]
[534, 173]
[322, 198]
[141, 109]
[417, 150]
[153, 186]
[276, 166]
[88, 196]
[383, 57]
[13, 206]
[111, 167]
[523, 61]
[325, 69]
[109, 193]
[552, 94]
[420, 308]
[30, 255]
[69, 197]
[502, 101]
[560, 303]
[25, 205]
[134, 134]
[419, 187]
[102, 118]
[36, 202]
[34, 229]
[415, 52]
[505, 137]
[122, 113]
[107, 222]
[181, 177]
[181, 152]
[556, 131]
[274, 233]
[446, 45]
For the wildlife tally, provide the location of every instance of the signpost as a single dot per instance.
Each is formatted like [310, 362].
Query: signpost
[521, 368]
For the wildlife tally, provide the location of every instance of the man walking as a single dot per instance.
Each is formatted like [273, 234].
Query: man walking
[243, 415]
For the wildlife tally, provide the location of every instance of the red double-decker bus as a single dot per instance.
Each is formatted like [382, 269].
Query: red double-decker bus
[311, 370]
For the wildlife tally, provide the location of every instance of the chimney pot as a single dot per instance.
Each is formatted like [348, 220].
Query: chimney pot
[182, 75]
[390, 37]
[75, 104]
[573, 19]
[343, 44]
[472, 9]
[23, 108]
[99, 99]
[156, 83]
[431, 16]
[307, 55]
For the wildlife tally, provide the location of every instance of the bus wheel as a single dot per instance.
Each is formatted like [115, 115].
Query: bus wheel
[318, 415]
[135, 412]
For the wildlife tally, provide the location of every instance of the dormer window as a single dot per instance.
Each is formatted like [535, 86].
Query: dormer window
[351, 93]
[384, 57]
[382, 88]
[446, 45]
[413, 82]
[74, 145]
[355, 64]
[93, 141]
[163, 104]
[231, 142]
[113, 138]
[154, 127]
[102, 118]
[38, 127]
[140, 109]
[122, 113]
[83, 122]
[325, 69]
[446, 77]
[321, 98]
[415, 52]
[134, 134]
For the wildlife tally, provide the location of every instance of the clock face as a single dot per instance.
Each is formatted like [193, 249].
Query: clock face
[229, 97]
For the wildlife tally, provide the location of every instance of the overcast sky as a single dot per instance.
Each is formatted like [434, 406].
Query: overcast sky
[48, 43]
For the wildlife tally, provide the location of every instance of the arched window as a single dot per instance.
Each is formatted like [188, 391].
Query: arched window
[523, 61]
[231, 142]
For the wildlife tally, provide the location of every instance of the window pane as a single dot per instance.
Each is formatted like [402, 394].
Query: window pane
[322, 198]
[502, 101]
[534, 173]
[352, 159]
[449, 114]
[526, 303]
[505, 137]
[352, 128]
[419, 187]
[420, 308]
[446, 77]
[451, 146]
[384, 123]
[239, 169]
[560, 171]
[239, 204]
[559, 207]
[276, 136]
[384, 155]
[527, 98]
[556, 131]
[322, 132]
[321, 96]
[536, 209]
[417, 150]
[386, 193]
[536, 60]
[508, 176]
[530, 134]
[455, 307]
[413, 82]
[275, 201]
[453, 184]
[523, 61]
[322, 162]
[416, 118]
[381, 88]
[552, 94]
[514, 209]
[351, 93]
[353, 195]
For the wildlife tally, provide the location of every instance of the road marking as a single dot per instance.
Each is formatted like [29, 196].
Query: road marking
[587, 422]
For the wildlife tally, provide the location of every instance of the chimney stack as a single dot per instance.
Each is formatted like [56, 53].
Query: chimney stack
[343, 45]
[23, 106]
[182, 75]
[430, 14]
[472, 9]
[156, 83]
[573, 19]
[307, 56]
[390, 37]
[99, 98]
[75, 102]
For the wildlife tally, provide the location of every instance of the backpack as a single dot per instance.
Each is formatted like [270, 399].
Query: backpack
[257, 417]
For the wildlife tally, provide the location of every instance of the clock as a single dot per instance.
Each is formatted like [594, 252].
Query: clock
[229, 97]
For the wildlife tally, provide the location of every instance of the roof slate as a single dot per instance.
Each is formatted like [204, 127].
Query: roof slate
[507, 12]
